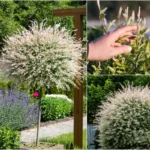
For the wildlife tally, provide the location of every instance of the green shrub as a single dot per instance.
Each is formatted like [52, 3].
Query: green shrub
[124, 120]
[95, 95]
[55, 108]
[9, 139]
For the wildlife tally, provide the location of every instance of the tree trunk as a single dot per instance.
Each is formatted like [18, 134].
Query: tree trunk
[39, 117]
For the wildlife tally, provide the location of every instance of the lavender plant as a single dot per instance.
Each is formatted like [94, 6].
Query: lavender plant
[136, 62]
[124, 120]
[16, 110]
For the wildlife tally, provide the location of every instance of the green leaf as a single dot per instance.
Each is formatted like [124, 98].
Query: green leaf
[111, 69]
[112, 23]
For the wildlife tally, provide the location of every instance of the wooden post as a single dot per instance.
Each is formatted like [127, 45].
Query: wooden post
[78, 14]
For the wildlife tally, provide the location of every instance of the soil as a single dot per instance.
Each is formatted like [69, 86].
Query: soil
[42, 124]
[41, 146]
[57, 121]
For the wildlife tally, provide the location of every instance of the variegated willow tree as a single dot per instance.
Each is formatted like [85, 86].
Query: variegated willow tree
[42, 57]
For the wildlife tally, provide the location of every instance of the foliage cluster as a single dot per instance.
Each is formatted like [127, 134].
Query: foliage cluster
[100, 86]
[54, 108]
[17, 14]
[17, 110]
[124, 121]
[7, 84]
[9, 139]
[43, 57]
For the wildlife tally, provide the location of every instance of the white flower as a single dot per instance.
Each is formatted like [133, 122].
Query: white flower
[59, 96]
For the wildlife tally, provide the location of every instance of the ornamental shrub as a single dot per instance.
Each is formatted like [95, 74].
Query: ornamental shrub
[16, 110]
[54, 108]
[43, 57]
[124, 120]
[9, 139]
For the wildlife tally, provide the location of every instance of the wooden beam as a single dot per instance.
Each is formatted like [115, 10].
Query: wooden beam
[78, 92]
[69, 12]
[78, 14]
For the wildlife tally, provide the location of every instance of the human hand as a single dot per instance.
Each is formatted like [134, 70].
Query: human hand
[107, 47]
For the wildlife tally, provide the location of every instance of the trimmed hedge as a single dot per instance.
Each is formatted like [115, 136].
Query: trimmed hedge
[54, 108]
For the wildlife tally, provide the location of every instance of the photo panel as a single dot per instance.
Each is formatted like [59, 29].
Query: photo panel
[130, 52]
[42, 74]
[118, 111]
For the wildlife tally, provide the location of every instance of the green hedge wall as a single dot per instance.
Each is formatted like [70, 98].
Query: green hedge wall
[54, 108]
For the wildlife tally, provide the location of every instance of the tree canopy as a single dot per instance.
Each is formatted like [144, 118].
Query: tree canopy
[17, 14]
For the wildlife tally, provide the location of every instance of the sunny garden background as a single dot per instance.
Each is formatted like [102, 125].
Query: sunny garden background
[18, 105]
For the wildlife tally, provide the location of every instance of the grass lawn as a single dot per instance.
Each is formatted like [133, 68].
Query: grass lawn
[65, 139]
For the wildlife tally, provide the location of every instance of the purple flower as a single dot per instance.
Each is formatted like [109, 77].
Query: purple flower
[16, 109]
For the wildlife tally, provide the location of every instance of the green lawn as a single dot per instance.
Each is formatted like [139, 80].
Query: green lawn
[65, 139]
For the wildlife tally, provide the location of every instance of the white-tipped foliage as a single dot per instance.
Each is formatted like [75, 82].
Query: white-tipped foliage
[124, 120]
[43, 56]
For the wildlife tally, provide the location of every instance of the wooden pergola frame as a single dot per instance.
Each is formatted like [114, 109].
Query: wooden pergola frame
[78, 14]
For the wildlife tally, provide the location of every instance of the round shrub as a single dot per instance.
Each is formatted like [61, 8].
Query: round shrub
[17, 111]
[9, 139]
[124, 120]
[43, 56]
[55, 108]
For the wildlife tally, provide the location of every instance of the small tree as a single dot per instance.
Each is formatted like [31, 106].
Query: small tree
[43, 57]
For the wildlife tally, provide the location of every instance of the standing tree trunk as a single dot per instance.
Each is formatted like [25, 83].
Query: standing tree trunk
[39, 117]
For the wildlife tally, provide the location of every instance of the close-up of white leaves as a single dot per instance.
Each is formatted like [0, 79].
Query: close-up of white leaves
[43, 57]
[125, 116]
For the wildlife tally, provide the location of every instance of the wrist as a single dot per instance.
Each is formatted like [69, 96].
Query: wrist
[91, 51]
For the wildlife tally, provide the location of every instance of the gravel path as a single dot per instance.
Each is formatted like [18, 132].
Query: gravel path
[51, 130]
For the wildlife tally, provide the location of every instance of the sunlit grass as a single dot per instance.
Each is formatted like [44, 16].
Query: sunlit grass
[66, 140]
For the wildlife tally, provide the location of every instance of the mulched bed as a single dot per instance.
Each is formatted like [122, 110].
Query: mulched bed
[42, 145]
[56, 121]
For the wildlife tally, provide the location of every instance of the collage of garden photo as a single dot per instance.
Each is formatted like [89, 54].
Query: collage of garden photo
[74, 74]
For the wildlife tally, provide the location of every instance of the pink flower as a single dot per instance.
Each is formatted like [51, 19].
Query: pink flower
[35, 94]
